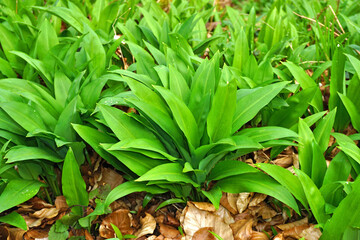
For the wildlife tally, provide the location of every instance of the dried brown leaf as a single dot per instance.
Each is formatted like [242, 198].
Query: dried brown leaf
[293, 224]
[110, 177]
[60, 203]
[258, 236]
[193, 219]
[204, 234]
[45, 213]
[245, 232]
[225, 203]
[169, 231]
[148, 225]
[258, 198]
[204, 206]
[121, 219]
[225, 215]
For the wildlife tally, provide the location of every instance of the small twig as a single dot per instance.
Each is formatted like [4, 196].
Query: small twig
[337, 20]
[312, 62]
[313, 20]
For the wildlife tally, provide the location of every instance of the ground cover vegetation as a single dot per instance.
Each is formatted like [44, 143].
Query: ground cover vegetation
[179, 119]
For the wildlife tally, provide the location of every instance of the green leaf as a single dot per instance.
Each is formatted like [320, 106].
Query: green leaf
[229, 168]
[124, 126]
[258, 182]
[170, 201]
[214, 195]
[182, 115]
[130, 187]
[14, 219]
[314, 197]
[38, 65]
[352, 110]
[347, 145]
[46, 39]
[306, 139]
[136, 162]
[241, 52]
[94, 137]
[262, 134]
[21, 153]
[171, 172]
[323, 130]
[339, 169]
[178, 85]
[286, 179]
[306, 82]
[337, 85]
[95, 51]
[18, 191]
[143, 145]
[346, 215]
[220, 118]
[73, 185]
[248, 106]
[319, 166]
[298, 104]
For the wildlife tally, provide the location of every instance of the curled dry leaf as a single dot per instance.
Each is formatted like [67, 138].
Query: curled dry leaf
[225, 203]
[169, 231]
[204, 233]
[204, 206]
[258, 236]
[280, 236]
[245, 231]
[111, 177]
[225, 215]
[293, 224]
[45, 213]
[121, 219]
[258, 198]
[284, 162]
[60, 203]
[263, 210]
[243, 201]
[11, 233]
[148, 225]
[194, 219]
[311, 233]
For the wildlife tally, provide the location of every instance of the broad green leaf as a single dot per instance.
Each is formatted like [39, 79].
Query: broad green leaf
[214, 195]
[286, 179]
[25, 153]
[319, 166]
[61, 87]
[95, 51]
[130, 187]
[73, 185]
[262, 134]
[241, 52]
[46, 39]
[323, 130]
[337, 85]
[346, 215]
[220, 118]
[69, 116]
[306, 139]
[347, 145]
[142, 144]
[170, 201]
[339, 169]
[229, 168]
[14, 219]
[73, 18]
[248, 106]
[178, 85]
[94, 137]
[5, 69]
[298, 104]
[258, 182]
[171, 172]
[306, 82]
[264, 72]
[18, 191]
[9, 43]
[352, 110]
[38, 65]
[182, 115]
[314, 197]
[136, 162]
[124, 126]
